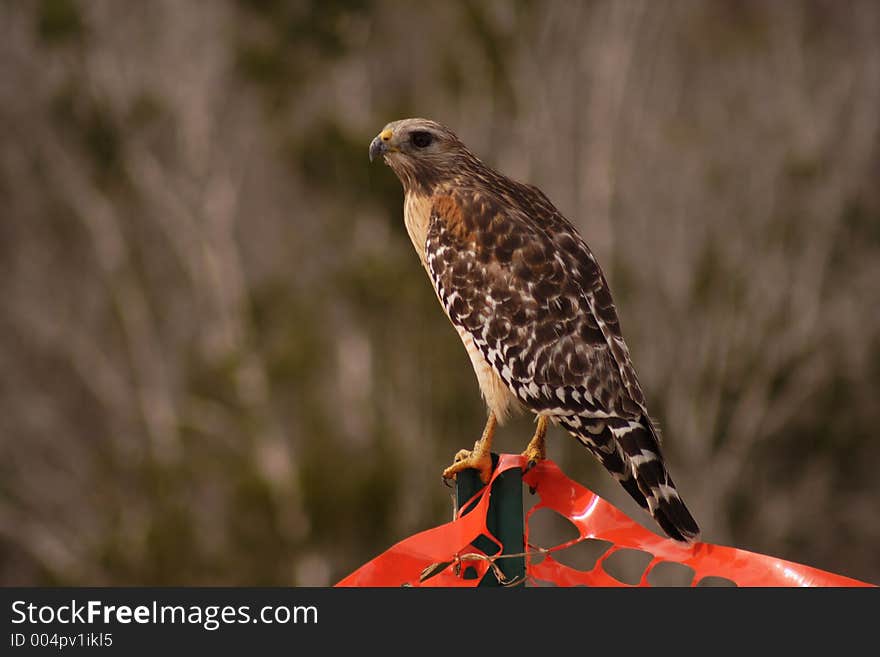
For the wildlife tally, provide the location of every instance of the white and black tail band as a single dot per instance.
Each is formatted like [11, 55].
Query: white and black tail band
[630, 451]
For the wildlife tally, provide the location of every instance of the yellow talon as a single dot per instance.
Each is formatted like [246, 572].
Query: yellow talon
[536, 451]
[479, 458]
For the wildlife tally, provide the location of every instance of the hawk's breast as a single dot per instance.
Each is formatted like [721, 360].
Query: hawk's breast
[417, 215]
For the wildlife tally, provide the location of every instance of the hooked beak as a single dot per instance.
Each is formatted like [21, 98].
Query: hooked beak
[377, 148]
[380, 145]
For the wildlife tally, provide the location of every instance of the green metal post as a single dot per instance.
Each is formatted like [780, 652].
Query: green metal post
[504, 520]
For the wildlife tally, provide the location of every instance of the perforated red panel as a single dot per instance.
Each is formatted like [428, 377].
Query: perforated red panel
[440, 550]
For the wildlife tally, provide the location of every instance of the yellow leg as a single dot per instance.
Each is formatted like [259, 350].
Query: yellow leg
[536, 450]
[480, 458]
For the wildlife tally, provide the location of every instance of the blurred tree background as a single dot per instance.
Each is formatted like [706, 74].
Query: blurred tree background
[222, 363]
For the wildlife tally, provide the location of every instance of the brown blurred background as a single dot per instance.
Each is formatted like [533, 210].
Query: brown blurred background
[222, 363]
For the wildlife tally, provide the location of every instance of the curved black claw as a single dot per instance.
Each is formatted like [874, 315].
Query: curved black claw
[445, 481]
[529, 466]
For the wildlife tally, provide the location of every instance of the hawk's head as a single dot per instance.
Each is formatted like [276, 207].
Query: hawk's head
[420, 151]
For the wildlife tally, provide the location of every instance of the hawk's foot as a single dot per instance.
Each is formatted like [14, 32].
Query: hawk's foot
[536, 451]
[479, 459]
[534, 455]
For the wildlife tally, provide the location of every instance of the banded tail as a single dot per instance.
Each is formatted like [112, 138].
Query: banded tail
[630, 451]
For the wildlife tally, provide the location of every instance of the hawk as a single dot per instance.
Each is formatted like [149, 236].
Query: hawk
[533, 310]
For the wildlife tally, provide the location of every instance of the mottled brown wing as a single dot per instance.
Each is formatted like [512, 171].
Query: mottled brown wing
[516, 275]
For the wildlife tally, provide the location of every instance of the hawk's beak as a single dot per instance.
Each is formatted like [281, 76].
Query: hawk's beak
[377, 148]
[380, 145]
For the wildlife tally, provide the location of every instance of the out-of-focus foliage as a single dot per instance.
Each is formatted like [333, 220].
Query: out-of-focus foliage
[222, 362]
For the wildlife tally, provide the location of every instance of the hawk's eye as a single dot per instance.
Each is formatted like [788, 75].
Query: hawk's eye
[421, 139]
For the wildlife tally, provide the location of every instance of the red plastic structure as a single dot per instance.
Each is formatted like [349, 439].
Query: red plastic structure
[434, 557]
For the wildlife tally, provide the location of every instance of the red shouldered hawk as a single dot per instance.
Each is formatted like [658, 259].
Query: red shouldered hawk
[533, 310]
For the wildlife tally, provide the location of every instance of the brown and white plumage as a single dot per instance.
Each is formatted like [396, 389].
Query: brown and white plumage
[532, 307]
